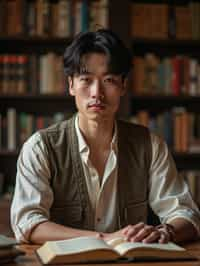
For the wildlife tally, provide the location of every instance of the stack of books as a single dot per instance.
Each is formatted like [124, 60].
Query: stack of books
[8, 249]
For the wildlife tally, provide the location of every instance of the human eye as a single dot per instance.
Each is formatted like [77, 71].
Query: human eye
[111, 80]
[85, 79]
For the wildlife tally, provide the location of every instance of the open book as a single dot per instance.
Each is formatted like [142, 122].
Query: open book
[91, 249]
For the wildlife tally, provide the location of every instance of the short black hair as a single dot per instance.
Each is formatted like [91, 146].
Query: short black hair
[101, 41]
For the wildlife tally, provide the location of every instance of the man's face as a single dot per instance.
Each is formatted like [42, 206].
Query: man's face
[97, 92]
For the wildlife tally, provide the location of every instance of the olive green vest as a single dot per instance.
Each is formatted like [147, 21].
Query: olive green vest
[71, 204]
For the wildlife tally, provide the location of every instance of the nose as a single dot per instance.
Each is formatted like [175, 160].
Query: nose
[97, 91]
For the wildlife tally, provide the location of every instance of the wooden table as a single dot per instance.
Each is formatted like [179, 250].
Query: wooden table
[30, 258]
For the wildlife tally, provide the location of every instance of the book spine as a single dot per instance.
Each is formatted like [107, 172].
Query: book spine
[22, 63]
[193, 76]
[31, 18]
[11, 125]
[172, 22]
[6, 73]
[64, 14]
[3, 17]
[176, 76]
[183, 22]
[39, 19]
[138, 76]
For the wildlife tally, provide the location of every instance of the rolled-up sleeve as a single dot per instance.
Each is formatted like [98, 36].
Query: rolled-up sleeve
[33, 196]
[169, 194]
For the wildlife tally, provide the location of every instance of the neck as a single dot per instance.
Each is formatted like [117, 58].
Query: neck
[97, 133]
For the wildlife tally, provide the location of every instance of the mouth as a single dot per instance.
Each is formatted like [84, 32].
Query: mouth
[96, 106]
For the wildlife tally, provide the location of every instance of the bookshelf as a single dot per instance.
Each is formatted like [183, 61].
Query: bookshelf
[46, 104]
[172, 35]
[29, 32]
[120, 21]
[37, 104]
[34, 103]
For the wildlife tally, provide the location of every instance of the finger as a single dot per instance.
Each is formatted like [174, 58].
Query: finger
[125, 230]
[129, 228]
[153, 237]
[143, 233]
[133, 230]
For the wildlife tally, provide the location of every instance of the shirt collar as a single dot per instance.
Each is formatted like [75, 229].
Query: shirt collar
[83, 147]
[81, 142]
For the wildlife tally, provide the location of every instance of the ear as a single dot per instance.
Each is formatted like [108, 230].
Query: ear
[71, 87]
[124, 87]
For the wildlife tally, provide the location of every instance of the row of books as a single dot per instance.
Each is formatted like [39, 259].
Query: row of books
[61, 18]
[15, 127]
[180, 128]
[163, 21]
[32, 73]
[176, 75]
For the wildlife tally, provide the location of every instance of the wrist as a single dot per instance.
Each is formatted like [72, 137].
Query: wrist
[169, 229]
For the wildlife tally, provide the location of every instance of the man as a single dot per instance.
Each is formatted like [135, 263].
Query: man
[95, 175]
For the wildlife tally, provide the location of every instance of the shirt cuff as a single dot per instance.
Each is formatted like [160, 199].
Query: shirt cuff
[190, 218]
[23, 230]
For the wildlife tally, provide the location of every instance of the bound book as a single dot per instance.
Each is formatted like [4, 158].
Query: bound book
[8, 249]
[91, 249]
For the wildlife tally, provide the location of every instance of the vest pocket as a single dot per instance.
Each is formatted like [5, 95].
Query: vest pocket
[68, 215]
[136, 212]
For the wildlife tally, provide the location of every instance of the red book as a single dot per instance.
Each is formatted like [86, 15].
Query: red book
[176, 76]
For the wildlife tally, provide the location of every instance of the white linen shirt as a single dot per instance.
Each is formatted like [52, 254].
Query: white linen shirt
[169, 195]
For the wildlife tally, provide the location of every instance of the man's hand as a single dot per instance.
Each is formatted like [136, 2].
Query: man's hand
[145, 233]
[140, 233]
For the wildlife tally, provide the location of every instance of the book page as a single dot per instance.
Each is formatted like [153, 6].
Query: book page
[115, 241]
[7, 241]
[79, 244]
[126, 246]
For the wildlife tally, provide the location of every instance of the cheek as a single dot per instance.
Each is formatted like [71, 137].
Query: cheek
[78, 91]
[113, 95]
[81, 97]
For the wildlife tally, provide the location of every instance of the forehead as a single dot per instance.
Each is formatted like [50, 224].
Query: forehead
[94, 63]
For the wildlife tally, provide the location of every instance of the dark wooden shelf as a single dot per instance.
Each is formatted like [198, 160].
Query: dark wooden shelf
[32, 39]
[165, 47]
[54, 96]
[187, 161]
[156, 103]
[23, 44]
[38, 104]
[8, 153]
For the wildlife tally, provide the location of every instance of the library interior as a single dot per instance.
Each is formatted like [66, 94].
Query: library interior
[163, 88]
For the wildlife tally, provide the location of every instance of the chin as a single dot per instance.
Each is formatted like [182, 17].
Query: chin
[100, 117]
